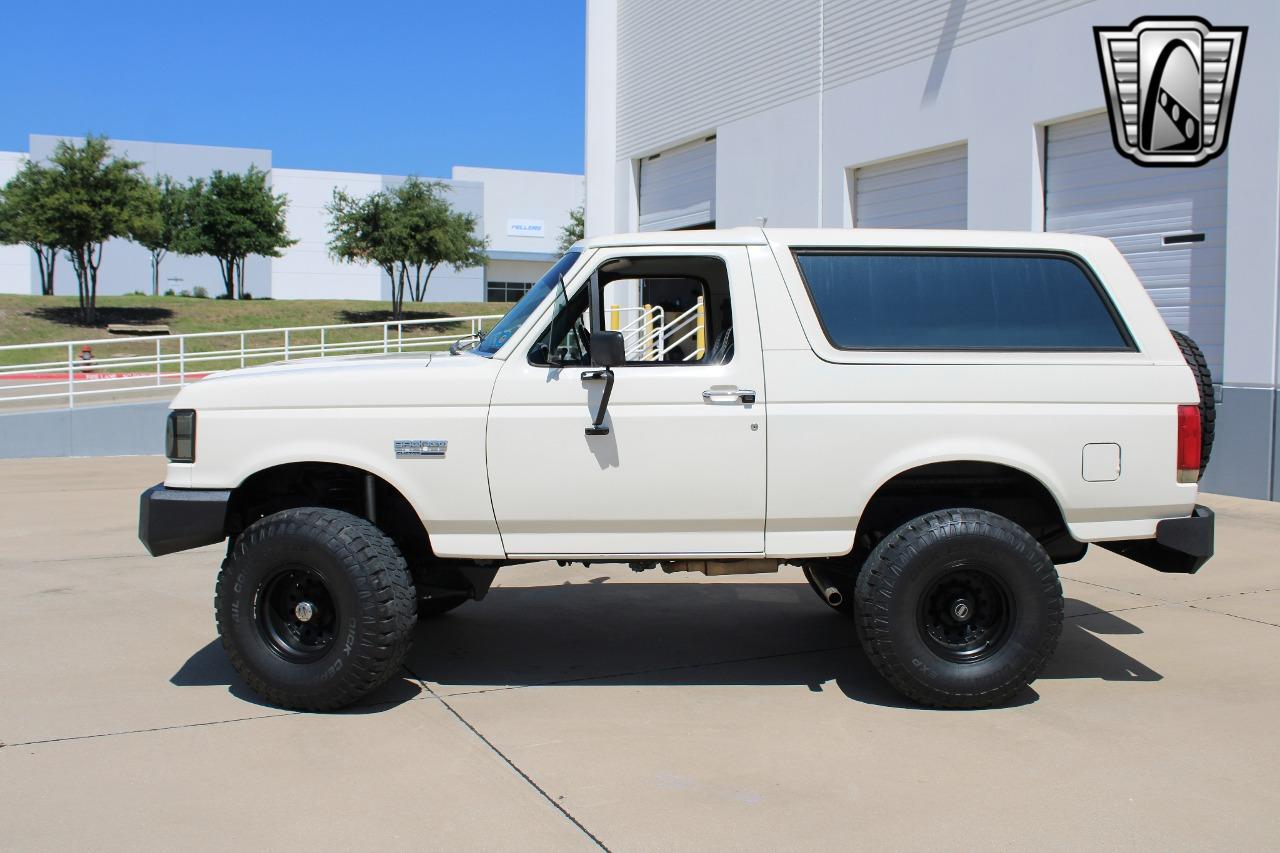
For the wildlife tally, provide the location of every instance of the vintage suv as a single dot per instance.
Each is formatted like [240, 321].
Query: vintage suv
[925, 421]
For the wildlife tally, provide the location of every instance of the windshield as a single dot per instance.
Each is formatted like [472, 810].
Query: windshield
[520, 312]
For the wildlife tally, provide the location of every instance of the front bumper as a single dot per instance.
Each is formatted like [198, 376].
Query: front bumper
[1181, 546]
[172, 520]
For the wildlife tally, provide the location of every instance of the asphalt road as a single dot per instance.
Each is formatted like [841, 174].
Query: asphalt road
[591, 707]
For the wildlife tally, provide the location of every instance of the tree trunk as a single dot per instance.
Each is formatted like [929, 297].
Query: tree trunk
[239, 264]
[227, 268]
[81, 266]
[416, 288]
[95, 260]
[427, 280]
[44, 276]
[397, 293]
[155, 271]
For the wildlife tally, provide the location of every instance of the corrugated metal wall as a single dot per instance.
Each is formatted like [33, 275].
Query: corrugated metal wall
[1089, 189]
[678, 188]
[686, 68]
[863, 38]
[922, 191]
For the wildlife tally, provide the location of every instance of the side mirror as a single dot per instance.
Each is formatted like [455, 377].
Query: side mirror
[607, 349]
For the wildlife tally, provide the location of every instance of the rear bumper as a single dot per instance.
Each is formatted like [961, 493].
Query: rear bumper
[171, 520]
[1181, 546]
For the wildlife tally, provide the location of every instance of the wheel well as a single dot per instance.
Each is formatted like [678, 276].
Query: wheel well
[1005, 491]
[334, 486]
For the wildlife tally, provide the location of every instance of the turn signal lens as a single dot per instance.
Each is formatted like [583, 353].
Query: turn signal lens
[180, 436]
[1188, 444]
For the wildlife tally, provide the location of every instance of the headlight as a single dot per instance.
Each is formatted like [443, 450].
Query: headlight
[180, 436]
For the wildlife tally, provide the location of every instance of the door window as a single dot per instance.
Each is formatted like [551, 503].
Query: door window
[669, 311]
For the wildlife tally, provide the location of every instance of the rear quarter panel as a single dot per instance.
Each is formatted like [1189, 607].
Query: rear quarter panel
[843, 423]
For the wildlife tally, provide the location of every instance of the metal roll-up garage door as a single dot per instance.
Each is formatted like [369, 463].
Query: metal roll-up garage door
[921, 191]
[678, 188]
[1169, 223]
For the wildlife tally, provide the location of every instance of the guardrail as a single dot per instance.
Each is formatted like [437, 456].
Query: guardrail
[142, 365]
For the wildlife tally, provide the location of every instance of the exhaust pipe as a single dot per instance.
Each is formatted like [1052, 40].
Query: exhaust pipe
[828, 589]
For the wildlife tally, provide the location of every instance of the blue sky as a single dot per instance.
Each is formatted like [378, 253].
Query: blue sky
[373, 86]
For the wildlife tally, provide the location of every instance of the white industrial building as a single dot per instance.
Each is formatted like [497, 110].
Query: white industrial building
[521, 212]
[953, 114]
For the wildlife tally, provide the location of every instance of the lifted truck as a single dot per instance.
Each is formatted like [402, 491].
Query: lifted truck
[925, 421]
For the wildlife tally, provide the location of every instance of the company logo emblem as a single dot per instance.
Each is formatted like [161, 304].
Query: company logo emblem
[1170, 84]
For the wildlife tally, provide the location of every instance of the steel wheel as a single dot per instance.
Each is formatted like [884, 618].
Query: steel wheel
[297, 616]
[966, 614]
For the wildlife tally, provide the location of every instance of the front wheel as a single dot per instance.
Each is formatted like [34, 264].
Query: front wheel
[959, 608]
[315, 608]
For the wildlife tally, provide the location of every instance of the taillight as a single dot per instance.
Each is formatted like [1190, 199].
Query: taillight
[1188, 444]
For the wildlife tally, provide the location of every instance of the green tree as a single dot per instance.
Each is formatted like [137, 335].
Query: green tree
[93, 196]
[573, 232]
[432, 233]
[26, 218]
[409, 231]
[164, 224]
[233, 216]
[361, 231]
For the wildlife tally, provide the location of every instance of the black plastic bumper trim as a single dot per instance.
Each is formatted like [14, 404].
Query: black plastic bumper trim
[171, 520]
[1181, 545]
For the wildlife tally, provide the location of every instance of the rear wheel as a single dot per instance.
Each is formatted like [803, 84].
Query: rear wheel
[315, 608]
[959, 608]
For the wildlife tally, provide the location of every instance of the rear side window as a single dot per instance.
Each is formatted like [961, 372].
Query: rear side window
[954, 301]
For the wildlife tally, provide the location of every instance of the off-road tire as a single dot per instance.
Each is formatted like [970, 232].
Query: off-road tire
[1204, 381]
[893, 592]
[371, 592]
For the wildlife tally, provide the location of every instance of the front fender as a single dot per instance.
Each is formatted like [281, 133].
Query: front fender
[450, 493]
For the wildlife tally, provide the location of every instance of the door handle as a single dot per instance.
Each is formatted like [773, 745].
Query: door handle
[745, 395]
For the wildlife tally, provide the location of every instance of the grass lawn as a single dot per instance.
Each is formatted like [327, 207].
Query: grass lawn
[36, 319]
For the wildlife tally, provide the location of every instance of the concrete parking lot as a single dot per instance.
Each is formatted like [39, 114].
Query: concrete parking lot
[592, 707]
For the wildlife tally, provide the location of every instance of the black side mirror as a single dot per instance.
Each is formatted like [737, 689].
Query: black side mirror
[607, 349]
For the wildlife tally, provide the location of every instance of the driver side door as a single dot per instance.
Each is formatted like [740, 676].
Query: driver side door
[681, 468]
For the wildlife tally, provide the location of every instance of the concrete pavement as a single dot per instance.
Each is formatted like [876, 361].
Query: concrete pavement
[585, 707]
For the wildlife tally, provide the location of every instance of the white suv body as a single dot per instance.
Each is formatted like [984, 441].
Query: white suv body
[772, 450]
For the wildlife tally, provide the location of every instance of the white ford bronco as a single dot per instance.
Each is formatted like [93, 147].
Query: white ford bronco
[925, 421]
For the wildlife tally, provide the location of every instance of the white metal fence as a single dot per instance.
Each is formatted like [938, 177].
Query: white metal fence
[77, 371]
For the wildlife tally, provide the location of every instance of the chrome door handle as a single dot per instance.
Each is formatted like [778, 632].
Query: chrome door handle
[745, 395]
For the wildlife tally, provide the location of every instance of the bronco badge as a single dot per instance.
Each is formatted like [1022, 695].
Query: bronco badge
[420, 448]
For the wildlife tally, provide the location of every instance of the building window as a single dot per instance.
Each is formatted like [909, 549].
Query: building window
[506, 291]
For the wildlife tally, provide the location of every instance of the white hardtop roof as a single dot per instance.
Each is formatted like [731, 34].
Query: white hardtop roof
[912, 238]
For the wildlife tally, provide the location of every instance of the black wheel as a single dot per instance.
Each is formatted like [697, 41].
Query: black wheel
[315, 608]
[959, 608]
[1204, 381]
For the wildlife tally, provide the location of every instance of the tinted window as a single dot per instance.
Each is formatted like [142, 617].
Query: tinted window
[947, 301]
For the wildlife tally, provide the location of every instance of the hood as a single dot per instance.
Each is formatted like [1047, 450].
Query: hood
[401, 379]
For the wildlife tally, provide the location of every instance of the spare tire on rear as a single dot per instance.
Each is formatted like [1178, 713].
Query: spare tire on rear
[1204, 380]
